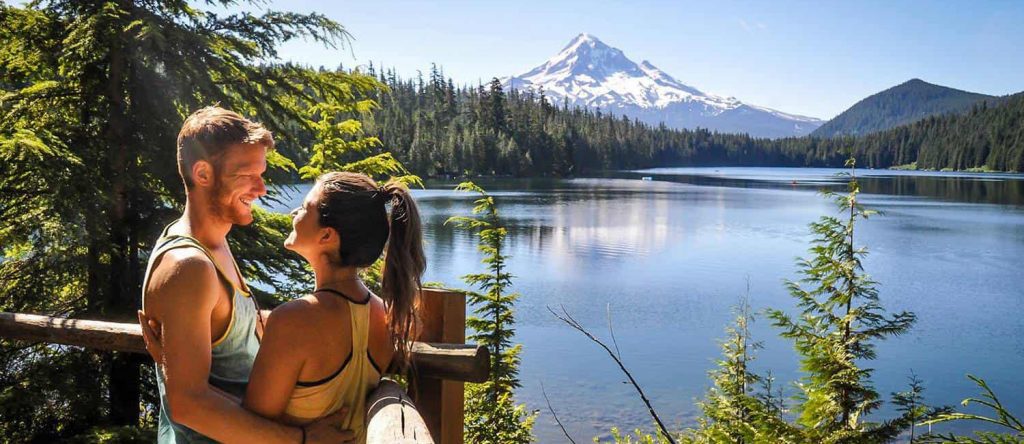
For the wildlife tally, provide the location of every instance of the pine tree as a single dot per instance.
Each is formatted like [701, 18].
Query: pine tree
[729, 406]
[840, 319]
[491, 413]
[911, 403]
[741, 406]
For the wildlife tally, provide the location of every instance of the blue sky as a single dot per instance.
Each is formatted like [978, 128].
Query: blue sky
[812, 58]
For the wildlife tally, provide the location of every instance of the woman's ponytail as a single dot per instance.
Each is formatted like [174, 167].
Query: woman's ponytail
[404, 263]
[356, 207]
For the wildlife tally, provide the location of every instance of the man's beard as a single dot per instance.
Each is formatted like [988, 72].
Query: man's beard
[226, 209]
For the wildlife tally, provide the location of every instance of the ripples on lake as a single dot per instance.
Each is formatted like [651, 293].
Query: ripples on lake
[668, 258]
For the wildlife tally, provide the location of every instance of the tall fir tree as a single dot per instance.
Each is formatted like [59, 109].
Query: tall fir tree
[840, 320]
[491, 413]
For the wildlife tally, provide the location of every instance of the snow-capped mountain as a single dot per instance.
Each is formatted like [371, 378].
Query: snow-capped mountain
[590, 73]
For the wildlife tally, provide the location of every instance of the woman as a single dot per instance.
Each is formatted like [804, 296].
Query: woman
[328, 349]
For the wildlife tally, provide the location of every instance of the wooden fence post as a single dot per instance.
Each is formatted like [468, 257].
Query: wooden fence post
[443, 317]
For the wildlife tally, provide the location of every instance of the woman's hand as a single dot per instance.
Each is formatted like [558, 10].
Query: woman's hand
[152, 333]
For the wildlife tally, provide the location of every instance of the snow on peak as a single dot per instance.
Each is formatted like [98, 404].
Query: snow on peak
[587, 72]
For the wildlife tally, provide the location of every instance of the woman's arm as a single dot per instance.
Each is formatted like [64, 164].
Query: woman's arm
[279, 360]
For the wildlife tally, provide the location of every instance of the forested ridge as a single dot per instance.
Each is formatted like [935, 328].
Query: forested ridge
[902, 104]
[438, 128]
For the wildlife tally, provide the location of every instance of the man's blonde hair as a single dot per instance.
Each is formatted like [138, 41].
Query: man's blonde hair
[208, 132]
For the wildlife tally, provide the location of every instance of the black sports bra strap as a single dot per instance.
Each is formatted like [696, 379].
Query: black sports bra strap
[365, 301]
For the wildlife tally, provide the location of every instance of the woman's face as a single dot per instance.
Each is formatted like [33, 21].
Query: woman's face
[308, 238]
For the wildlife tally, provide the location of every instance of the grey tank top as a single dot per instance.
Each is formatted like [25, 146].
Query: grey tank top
[232, 354]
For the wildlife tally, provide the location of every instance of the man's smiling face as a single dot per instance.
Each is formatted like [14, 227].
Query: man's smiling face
[238, 182]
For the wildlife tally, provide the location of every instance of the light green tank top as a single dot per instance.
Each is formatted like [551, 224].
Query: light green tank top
[232, 354]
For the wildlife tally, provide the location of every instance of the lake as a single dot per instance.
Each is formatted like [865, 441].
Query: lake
[666, 259]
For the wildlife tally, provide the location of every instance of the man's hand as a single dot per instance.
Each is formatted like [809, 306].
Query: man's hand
[152, 333]
[328, 430]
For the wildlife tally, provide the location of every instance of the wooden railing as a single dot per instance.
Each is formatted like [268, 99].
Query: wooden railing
[441, 361]
[392, 417]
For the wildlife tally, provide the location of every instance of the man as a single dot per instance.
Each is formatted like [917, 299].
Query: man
[208, 323]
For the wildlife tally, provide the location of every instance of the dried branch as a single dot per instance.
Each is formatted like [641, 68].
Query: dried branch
[545, 393]
[572, 322]
[608, 311]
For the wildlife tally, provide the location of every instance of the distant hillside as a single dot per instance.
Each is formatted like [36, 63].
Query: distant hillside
[987, 137]
[900, 105]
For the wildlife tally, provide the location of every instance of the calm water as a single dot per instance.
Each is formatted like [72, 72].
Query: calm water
[668, 258]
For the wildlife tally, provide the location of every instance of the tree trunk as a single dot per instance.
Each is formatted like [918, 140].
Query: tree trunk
[122, 298]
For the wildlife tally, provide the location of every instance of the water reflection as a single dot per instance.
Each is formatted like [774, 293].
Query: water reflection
[993, 188]
[668, 257]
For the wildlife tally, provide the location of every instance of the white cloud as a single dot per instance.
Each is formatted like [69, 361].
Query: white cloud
[752, 26]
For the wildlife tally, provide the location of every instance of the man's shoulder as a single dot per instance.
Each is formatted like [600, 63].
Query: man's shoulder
[190, 262]
[182, 271]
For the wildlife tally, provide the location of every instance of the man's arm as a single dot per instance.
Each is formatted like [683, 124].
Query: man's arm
[182, 296]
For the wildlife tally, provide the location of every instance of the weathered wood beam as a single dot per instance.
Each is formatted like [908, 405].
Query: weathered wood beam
[392, 418]
[100, 335]
[453, 362]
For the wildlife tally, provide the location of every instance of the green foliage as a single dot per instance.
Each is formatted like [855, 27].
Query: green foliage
[1003, 418]
[732, 412]
[497, 422]
[732, 379]
[340, 141]
[116, 435]
[637, 437]
[92, 95]
[491, 415]
[741, 407]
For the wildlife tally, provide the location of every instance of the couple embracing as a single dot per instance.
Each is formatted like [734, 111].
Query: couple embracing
[228, 371]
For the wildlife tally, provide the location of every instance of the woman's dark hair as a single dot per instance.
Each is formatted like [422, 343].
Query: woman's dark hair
[354, 206]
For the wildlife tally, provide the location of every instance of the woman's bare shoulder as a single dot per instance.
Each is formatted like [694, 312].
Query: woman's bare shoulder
[377, 304]
[294, 318]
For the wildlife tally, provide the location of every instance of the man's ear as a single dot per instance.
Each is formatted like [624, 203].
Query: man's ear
[202, 173]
